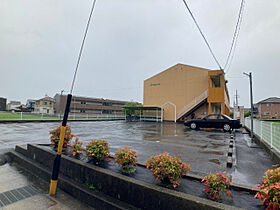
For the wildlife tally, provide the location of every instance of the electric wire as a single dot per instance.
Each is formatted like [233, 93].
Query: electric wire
[235, 37]
[203, 36]
[82, 46]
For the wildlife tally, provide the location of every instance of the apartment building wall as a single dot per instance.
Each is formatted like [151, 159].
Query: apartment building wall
[181, 85]
[87, 106]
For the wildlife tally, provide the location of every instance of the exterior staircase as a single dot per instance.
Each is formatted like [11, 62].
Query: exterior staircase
[193, 105]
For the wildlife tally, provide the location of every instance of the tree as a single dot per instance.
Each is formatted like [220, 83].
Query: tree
[129, 111]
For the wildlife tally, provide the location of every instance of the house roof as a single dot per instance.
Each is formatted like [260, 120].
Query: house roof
[270, 100]
[47, 98]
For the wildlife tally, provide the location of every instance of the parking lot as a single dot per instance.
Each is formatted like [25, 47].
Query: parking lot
[204, 150]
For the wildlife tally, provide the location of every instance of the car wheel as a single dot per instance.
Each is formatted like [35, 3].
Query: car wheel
[193, 126]
[227, 127]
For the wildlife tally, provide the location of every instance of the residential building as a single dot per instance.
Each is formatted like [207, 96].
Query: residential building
[186, 92]
[89, 106]
[44, 106]
[3, 104]
[269, 108]
[13, 106]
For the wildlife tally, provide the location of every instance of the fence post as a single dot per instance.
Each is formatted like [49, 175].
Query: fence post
[261, 129]
[271, 135]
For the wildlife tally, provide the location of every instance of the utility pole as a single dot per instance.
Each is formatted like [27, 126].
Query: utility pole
[60, 104]
[236, 98]
[252, 106]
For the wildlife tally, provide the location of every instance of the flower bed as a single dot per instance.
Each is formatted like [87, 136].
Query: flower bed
[126, 158]
[216, 185]
[270, 189]
[168, 169]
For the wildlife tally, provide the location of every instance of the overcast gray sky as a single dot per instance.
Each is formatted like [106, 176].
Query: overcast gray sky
[129, 41]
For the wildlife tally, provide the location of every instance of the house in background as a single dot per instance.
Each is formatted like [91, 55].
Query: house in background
[13, 106]
[185, 92]
[44, 106]
[269, 108]
[3, 104]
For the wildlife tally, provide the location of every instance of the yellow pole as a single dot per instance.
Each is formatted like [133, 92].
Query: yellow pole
[56, 165]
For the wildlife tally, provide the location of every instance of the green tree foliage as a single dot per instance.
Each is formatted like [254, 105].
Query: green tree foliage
[247, 113]
[131, 112]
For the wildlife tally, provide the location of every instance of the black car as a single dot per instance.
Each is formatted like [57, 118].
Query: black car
[213, 121]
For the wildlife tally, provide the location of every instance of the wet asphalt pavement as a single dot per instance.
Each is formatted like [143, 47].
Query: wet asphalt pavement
[204, 150]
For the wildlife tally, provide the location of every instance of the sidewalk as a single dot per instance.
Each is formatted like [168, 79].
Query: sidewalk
[252, 161]
[17, 191]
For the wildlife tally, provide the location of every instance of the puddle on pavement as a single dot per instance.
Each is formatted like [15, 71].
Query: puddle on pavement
[213, 152]
[214, 146]
[215, 161]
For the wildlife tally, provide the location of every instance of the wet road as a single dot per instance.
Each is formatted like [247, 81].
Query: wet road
[204, 151]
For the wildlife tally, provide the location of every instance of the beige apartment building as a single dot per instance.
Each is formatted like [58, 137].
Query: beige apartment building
[83, 106]
[44, 106]
[269, 108]
[185, 92]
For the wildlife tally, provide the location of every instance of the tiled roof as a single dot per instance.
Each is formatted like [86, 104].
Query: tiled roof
[47, 98]
[270, 100]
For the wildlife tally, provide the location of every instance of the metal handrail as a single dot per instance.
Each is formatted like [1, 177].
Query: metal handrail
[192, 103]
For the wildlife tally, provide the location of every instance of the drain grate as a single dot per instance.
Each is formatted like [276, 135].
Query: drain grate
[15, 195]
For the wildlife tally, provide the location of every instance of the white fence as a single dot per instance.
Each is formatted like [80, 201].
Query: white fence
[267, 131]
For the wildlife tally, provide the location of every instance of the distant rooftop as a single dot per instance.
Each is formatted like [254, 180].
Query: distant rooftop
[47, 98]
[270, 100]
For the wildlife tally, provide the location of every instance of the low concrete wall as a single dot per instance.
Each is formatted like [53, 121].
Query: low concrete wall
[134, 192]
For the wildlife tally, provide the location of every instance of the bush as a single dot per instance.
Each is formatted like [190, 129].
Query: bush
[55, 136]
[168, 169]
[270, 189]
[76, 147]
[215, 184]
[127, 159]
[98, 150]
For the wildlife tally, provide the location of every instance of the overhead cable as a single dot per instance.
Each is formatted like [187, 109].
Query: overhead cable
[82, 46]
[235, 36]
[203, 36]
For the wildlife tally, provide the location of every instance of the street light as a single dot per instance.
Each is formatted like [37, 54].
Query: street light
[251, 95]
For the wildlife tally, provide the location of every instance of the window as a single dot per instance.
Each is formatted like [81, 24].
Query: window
[106, 111]
[45, 103]
[82, 111]
[203, 113]
[276, 113]
[268, 104]
[83, 102]
[107, 104]
[266, 113]
[212, 117]
[216, 81]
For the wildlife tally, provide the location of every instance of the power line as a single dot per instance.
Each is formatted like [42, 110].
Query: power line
[235, 36]
[82, 46]
[208, 45]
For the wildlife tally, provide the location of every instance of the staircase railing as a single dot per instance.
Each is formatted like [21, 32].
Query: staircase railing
[193, 103]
